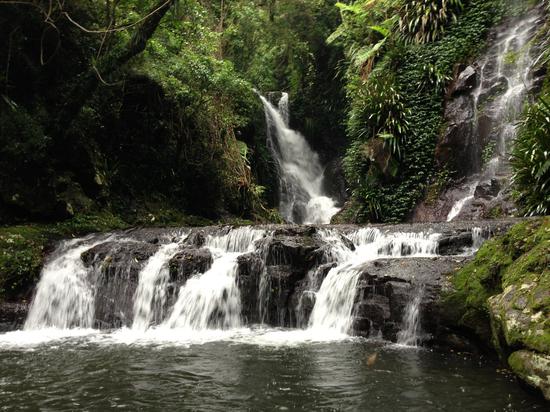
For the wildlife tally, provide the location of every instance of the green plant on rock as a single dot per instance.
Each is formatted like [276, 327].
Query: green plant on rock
[531, 160]
[424, 21]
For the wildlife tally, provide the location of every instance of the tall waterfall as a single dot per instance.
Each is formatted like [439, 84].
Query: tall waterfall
[504, 79]
[302, 198]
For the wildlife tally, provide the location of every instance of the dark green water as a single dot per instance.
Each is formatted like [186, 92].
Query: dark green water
[91, 374]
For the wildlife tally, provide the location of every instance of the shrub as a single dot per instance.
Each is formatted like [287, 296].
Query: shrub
[531, 160]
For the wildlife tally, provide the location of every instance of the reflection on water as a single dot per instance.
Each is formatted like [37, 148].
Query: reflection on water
[245, 370]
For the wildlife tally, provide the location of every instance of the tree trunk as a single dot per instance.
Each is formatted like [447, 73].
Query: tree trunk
[87, 82]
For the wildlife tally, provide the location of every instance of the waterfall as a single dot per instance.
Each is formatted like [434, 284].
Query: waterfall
[335, 299]
[113, 282]
[64, 297]
[150, 296]
[410, 332]
[504, 79]
[212, 300]
[302, 198]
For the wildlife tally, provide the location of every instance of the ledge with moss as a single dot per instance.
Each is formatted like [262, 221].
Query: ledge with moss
[503, 298]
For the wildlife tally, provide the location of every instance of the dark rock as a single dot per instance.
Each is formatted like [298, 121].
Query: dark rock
[386, 287]
[188, 262]
[455, 244]
[12, 315]
[466, 81]
[115, 272]
[115, 253]
[487, 190]
[196, 238]
[249, 271]
[457, 147]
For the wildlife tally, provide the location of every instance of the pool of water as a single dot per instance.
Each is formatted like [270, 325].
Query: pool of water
[253, 370]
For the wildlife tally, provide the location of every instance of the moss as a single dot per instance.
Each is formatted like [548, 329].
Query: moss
[532, 368]
[512, 270]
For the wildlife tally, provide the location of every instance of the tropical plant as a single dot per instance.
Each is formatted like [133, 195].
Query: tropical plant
[424, 21]
[531, 160]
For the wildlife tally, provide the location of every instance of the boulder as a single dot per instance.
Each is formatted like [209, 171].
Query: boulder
[533, 368]
[188, 262]
[466, 81]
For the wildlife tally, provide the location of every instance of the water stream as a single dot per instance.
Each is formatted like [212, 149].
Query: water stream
[503, 80]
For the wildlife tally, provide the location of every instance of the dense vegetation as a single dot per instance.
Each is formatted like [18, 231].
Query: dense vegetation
[147, 109]
[124, 113]
[402, 56]
[531, 153]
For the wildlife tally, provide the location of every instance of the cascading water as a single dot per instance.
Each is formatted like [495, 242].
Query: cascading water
[334, 303]
[150, 297]
[64, 297]
[504, 79]
[302, 196]
[212, 300]
[409, 335]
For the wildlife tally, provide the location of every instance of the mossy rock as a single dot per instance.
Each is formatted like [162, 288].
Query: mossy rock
[503, 298]
[533, 368]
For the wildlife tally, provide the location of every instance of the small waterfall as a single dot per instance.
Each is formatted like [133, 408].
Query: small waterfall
[504, 79]
[150, 297]
[409, 335]
[302, 196]
[335, 299]
[212, 300]
[64, 297]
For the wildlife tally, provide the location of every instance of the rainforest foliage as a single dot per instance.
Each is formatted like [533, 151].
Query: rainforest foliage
[147, 108]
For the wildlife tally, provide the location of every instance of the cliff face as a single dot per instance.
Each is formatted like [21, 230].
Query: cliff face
[483, 107]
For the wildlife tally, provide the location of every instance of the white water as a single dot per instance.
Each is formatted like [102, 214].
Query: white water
[409, 335]
[150, 296]
[208, 306]
[334, 303]
[64, 297]
[513, 44]
[301, 177]
[212, 300]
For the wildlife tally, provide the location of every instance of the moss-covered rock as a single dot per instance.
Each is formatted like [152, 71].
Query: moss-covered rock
[503, 297]
[532, 368]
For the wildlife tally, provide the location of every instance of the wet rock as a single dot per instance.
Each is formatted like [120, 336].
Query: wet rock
[487, 190]
[196, 238]
[493, 89]
[12, 315]
[296, 250]
[250, 268]
[455, 244]
[119, 253]
[281, 281]
[533, 368]
[466, 81]
[457, 146]
[303, 298]
[386, 287]
[114, 269]
[188, 262]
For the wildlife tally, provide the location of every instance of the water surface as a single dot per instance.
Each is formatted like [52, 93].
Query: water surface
[244, 370]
